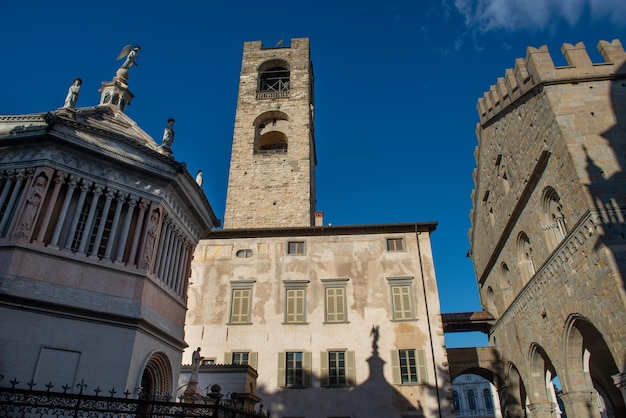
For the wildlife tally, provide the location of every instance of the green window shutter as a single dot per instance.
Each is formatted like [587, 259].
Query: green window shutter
[281, 370]
[228, 358]
[341, 305]
[324, 379]
[331, 310]
[307, 370]
[395, 368]
[350, 369]
[421, 364]
[253, 359]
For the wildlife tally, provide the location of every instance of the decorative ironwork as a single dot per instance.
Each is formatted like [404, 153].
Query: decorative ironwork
[16, 402]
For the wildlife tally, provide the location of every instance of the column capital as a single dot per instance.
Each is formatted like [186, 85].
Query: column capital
[619, 380]
[60, 177]
[538, 408]
[573, 398]
[110, 193]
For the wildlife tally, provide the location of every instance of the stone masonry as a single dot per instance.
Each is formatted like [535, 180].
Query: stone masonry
[548, 231]
[269, 188]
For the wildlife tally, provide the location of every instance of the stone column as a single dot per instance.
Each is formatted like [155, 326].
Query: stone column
[620, 381]
[580, 404]
[143, 204]
[164, 256]
[132, 202]
[541, 410]
[183, 268]
[108, 197]
[119, 202]
[6, 188]
[97, 191]
[8, 212]
[156, 265]
[58, 182]
[175, 253]
[71, 186]
[84, 189]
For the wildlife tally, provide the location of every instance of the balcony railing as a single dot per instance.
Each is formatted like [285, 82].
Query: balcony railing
[272, 94]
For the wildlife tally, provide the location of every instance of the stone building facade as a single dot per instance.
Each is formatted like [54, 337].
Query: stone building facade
[547, 236]
[474, 396]
[97, 231]
[272, 167]
[340, 321]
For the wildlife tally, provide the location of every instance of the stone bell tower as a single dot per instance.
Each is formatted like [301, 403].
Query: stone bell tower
[272, 168]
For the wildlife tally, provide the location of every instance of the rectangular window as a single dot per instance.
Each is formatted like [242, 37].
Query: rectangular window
[395, 244]
[294, 369]
[295, 301]
[240, 358]
[295, 306]
[240, 306]
[295, 248]
[337, 368]
[335, 300]
[401, 290]
[336, 304]
[401, 302]
[409, 367]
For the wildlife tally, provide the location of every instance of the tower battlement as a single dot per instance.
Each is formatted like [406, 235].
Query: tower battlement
[538, 69]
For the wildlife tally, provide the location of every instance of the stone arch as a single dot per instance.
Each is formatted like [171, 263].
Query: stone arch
[589, 365]
[542, 393]
[554, 225]
[513, 394]
[525, 256]
[271, 132]
[491, 305]
[156, 379]
[274, 79]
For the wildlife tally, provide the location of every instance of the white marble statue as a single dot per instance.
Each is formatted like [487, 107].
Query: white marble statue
[130, 52]
[72, 94]
[199, 178]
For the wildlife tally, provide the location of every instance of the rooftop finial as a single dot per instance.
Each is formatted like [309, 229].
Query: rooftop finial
[130, 52]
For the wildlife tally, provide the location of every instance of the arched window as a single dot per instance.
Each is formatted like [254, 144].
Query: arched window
[456, 401]
[488, 400]
[471, 399]
[553, 219]
[274, 80]
[270, 133]
[525, 254]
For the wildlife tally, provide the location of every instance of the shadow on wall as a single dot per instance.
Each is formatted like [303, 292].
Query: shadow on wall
[609, 191]
[375, 397]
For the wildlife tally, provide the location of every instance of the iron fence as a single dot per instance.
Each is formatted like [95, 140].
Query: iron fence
[29, 403]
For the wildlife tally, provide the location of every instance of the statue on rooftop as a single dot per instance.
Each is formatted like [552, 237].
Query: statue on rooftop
[199, 178]
[130, 52]
[72, 94]
[168, 134]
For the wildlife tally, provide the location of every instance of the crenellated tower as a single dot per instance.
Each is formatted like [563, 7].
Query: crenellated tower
[272, 168]
[548, 230]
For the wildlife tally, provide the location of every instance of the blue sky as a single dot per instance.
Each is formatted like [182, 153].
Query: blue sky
[396, 87]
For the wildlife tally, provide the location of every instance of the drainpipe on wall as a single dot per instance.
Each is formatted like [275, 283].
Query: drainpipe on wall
[430, 332]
